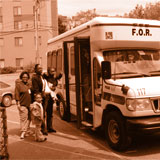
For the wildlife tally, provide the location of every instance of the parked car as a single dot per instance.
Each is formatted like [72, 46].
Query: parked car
[6, 94]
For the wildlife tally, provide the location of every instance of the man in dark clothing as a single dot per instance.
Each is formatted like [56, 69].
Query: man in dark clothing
[37, 81]
[38, 87]
[52, 83]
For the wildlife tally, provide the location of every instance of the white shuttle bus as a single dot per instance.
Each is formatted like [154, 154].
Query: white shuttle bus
[111, 76]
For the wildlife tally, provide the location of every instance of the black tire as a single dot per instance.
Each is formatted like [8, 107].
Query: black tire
[6, 101]
[62, 109]
[115, 131]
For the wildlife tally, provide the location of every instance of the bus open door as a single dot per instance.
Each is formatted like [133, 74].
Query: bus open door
[83, 82]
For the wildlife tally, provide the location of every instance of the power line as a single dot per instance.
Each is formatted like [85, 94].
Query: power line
[32, 28]
[14, 32]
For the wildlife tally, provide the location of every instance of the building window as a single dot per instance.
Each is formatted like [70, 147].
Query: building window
[1, 63]
[17, 25]
[1, 42]
[18, 41]
[19, 63]
[17, 11]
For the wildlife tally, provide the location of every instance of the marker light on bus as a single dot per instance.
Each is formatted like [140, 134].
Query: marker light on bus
[138, 104]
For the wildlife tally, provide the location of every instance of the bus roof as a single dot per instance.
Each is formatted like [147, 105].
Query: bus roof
[108, 21]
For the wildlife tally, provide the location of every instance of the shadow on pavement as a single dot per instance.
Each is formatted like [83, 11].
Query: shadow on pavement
[58, 146]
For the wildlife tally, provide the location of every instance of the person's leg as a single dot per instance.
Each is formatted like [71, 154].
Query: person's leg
[38, 134]
[29, 131]
[24, 120]
[45, 105]
[50, 115]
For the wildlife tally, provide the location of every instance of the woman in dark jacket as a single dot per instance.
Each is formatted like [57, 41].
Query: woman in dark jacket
[23, 100]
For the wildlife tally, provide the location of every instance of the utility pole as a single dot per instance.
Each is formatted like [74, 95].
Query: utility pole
[37, 59]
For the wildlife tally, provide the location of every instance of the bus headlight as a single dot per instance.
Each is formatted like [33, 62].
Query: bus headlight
[138, 104]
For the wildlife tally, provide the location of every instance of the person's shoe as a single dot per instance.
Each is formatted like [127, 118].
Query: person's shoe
[27, 134]
[22, 135]
[41, 140]
[51, 130]
[30, 132]
[44, 133]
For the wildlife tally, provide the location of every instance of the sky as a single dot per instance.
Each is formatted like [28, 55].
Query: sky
[69, 8]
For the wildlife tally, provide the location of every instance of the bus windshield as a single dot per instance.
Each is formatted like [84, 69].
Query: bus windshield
[129, 63]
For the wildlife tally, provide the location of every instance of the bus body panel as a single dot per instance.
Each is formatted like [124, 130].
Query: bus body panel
[107, 36]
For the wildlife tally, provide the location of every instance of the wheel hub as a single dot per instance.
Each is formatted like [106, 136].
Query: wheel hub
[113, 131]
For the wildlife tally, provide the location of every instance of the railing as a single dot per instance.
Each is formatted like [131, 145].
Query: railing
[3, 135]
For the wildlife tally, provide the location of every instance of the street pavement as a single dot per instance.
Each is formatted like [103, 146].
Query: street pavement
[71, 143]
[67, 143]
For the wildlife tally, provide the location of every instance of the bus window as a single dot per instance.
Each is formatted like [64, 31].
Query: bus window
[54, 60]
[59, 60]
[97, 81]
[72, 60]
[49, 59]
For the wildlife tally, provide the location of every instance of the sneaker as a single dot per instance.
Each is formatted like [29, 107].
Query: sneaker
[22, 135]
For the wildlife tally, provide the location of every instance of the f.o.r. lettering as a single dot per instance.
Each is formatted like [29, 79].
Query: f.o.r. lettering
[141, 32]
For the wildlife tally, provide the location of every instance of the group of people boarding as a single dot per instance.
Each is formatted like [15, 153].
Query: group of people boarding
[35, 98]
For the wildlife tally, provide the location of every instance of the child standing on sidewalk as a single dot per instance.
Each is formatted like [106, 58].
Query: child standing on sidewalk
[37, 117]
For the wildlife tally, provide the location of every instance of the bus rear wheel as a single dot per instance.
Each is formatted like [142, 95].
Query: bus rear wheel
[115, 131]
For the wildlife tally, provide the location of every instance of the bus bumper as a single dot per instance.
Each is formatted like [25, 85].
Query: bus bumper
[143, 125]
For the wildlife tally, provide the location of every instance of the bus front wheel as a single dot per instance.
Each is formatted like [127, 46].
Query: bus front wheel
[115, 131]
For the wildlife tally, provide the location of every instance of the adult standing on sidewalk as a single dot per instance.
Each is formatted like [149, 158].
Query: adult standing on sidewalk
[37, 81]
[52, 82]
[38, 87]
[23, 100]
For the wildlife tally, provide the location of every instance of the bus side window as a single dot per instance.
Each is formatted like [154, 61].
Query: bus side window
[59, 61]
[54, 60]
[72, 60]
[97, 81]
[49, 59]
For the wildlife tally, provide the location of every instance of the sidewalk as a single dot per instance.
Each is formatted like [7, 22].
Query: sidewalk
[67, 143]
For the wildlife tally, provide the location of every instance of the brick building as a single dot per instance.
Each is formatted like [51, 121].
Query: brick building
[18, 36]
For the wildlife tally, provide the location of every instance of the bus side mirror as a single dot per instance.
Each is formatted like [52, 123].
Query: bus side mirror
[106, 69]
